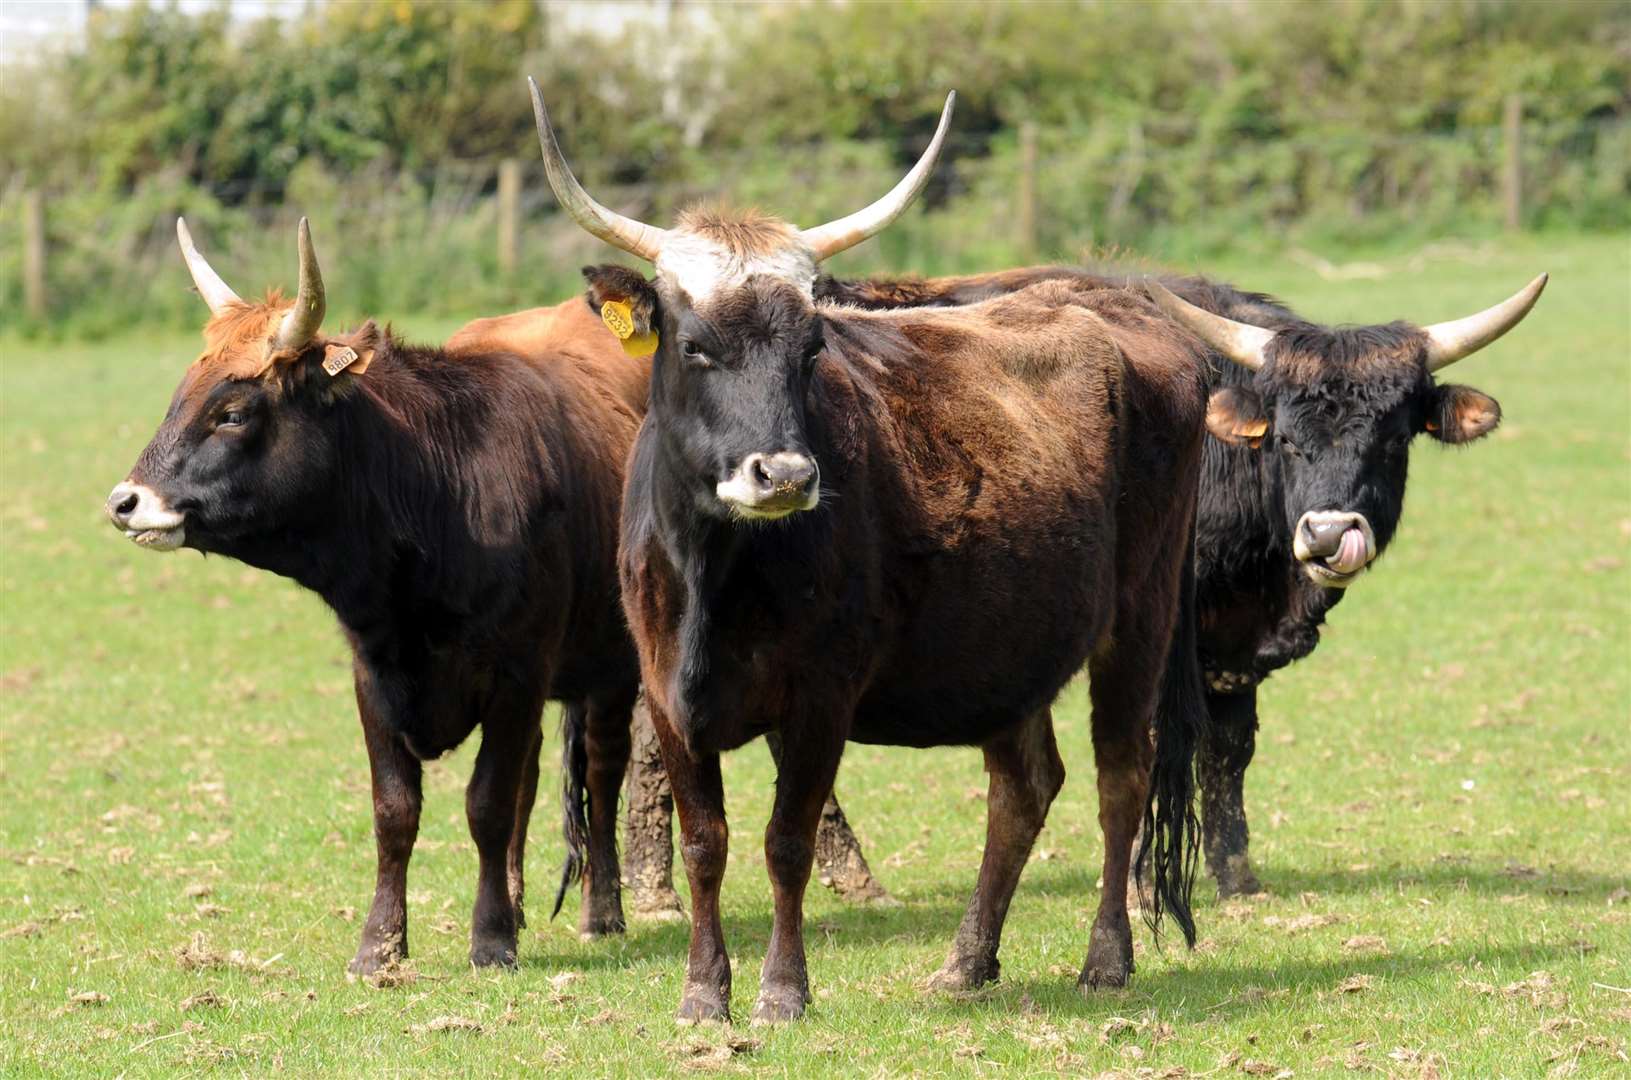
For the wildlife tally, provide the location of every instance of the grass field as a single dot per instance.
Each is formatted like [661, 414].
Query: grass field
[1440, 800]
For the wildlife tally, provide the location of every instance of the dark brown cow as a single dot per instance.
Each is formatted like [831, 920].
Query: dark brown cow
[457, 509]
[909, 528]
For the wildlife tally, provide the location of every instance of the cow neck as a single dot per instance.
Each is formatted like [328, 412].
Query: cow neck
[399, 461]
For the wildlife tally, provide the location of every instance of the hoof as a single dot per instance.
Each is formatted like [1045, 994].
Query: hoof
[779, 1004]
[375, 956]
[1111, 976]
[593, 926]
[1235, 878]
[658, 905]
[1109, 958]
[703, 1005]
[960, 975]
[497, 953]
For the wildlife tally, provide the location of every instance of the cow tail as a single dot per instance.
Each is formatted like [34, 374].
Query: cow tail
[574, 796]
[1171, 833]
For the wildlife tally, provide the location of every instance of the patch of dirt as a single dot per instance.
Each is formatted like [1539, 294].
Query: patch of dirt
[1365, 943]
[703, 1056]
[443, 1023]
[207, 999]
[1355, 984]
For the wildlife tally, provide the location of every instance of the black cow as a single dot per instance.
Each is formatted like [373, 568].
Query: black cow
[1303, 483]
[458, 511]
[909, 528]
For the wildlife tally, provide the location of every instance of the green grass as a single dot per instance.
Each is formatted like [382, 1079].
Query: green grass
[1440, 798]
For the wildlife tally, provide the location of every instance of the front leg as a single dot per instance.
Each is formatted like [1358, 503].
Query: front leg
[517, 857]
[1221, 765]
[812, 751]
[395, 775]
[699, 794]
[490, 802]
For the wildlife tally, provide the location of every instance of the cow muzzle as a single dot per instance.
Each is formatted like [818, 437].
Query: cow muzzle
[1333, 546]
[146, 520]
[769, 486]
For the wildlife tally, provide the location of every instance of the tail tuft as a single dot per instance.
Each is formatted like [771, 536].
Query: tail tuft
[574, 797]
[1171, 833]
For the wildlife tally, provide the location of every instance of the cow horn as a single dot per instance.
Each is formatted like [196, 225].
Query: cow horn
[1448, 342]
[216, 293]
[1243, 343]
[301, 324]
[634, 237]
[835, 236]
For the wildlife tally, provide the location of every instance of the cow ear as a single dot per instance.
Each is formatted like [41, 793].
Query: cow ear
[1235, 415]
[1460, 414]
[350, 354]
[611, 284]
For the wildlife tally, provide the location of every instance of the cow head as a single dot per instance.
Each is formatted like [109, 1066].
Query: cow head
[243, 449]
[1337, 408]
[730, 314]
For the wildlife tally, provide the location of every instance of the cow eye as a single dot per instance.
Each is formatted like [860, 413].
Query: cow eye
[232, 418]
[1289, 447]
[693, 354]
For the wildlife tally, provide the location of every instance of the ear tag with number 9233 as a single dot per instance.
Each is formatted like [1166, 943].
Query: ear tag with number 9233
[619, 319]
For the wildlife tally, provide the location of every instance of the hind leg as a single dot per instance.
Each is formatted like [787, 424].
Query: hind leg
[1125, 679]
[608, 750]
[1026, 774]
[648, 838]
[490, 802]
[840, 865]
[1222, 762]
[524, 801]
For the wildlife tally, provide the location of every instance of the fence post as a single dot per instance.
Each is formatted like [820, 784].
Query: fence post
[509, 215]
[34, 298]
[1512, 172]
[1027, 192]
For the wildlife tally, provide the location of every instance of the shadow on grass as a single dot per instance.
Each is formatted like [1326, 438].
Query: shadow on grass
[1216, 988]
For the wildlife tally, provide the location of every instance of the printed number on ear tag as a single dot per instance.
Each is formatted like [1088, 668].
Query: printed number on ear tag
[338, 360]
[619, 319]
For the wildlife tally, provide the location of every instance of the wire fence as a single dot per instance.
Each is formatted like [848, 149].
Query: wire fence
[485, 236]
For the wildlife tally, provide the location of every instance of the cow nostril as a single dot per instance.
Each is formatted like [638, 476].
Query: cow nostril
[127, 505]
[761, 477]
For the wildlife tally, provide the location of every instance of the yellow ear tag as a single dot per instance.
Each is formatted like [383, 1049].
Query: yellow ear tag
[619, 319]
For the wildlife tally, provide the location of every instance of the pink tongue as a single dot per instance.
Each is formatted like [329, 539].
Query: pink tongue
[1350, 557]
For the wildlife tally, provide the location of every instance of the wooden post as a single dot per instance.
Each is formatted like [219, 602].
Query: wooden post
[1027, 192]
[1512, 172]
[34, 298]
[509, 215]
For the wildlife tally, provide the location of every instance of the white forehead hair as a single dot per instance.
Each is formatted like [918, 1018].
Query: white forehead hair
[704, 267]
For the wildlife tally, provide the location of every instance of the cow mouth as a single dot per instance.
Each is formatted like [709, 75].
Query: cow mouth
[158, 539]
[1356, 548]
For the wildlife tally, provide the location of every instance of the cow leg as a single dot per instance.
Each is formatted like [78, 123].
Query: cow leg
[784, 984]
[1026, 774]
[840, 865]
[395, 776]
[648, 838]
[490, 803]
[1222, 762]
[608, 747]
[1124, 682]
[516, 860]
[699, 794]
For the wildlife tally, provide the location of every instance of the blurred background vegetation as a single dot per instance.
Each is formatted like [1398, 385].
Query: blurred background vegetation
[1172, 129]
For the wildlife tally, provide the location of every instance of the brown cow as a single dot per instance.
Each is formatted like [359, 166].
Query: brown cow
[909, 528]
[457, 509]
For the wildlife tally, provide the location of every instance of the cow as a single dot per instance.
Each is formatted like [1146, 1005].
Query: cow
[909, 528]
[1303, 484]
[457, 509]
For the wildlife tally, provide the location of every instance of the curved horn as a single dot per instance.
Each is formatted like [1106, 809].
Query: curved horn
[1448, 342]
[300, 325]
[634, 237]
[835, 236]
[1241, 342]
[216, 293]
